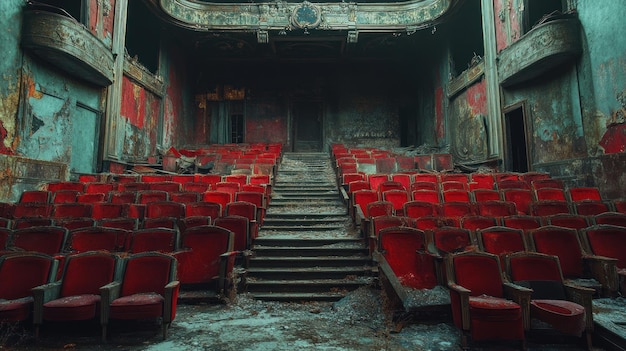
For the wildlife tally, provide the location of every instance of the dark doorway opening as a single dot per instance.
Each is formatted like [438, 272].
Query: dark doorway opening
[516, 145]
[307, 124]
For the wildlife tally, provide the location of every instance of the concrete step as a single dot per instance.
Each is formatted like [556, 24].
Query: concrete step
[305, 286]
[308, 262]
[299, 297]
[303, 273]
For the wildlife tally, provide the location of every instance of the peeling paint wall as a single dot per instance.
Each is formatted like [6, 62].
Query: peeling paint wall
[10, 67]
[468, 112]
[603, 75]
[178, 117]
[140, 111]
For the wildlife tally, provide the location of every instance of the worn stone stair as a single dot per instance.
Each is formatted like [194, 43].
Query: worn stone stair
[307, 249]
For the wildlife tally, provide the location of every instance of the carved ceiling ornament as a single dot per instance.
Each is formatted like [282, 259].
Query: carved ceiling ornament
[306, 16]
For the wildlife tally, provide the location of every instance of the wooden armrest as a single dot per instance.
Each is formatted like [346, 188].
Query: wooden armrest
[42, 294]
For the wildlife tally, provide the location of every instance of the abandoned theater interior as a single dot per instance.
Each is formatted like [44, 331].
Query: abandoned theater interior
[463, 158]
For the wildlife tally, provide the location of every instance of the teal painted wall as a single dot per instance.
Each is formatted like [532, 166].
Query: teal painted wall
[10, 71]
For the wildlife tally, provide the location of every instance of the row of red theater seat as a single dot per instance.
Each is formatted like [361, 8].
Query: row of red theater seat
[212, 242]
[604, 244]
[416, 259]
[90, 288]
[127, 216]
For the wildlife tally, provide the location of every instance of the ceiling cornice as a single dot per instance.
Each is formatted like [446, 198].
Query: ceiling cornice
[278, 15]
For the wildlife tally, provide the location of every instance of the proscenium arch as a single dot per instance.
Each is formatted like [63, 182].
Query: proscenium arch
[379, 17]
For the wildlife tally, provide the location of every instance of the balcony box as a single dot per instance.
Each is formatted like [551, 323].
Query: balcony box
[68, 45]
[547, 46]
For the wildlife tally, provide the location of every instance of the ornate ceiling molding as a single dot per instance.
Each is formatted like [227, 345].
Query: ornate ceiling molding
[280, 15]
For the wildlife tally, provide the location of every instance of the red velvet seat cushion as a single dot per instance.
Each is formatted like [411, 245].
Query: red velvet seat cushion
[137, 306]
[77, 307]
[493, 308]
[16, 310]
[565, 316]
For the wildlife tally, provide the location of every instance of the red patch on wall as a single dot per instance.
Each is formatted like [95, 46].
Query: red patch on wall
[3, 135]
[614, 140]
[477, 98]
[133, 103]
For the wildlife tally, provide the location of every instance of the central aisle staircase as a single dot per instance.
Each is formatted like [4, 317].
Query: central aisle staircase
[307, 248]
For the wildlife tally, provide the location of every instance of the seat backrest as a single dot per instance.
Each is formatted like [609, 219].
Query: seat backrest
[476, 222]
[397, 197]
[500, 240]
[64, 196]
[417, 209]
[86, 272]
[42, 196]
[97, 238]
[381, 222]
[590, 207]
[447, 240]
[121, 197]
[147, 272]
[613, 218]
[521, 197]
[256, 198]
[358, 185]
[203, 208]
[567, 220]
[456, 195]
[207, 243]
[147, 196]
[153, 239]
[482, 195]
[523, 266]
[22, 271]
[553, 194]
[456, 209]
[608, 241]
[400, 246]
[390, 185]
[563, 243]
[101, 210]
[548, 208]
[380, 208]
[99, 187]
[547, 183]
[423, 186]
[239, 225]
[465, 266]
[242, 208]
[362, 197]
[32, 209]
[376, 179]
[121, 223]
[47, 239]
[523, 222]
[584, 193]
[222, 198]
[165, 209]
[184, 196]
[431, 196]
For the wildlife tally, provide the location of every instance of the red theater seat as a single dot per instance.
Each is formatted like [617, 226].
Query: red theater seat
[76, 297]
[482, 305]
[19, 273]
[552, 301]
[403, 249]
[148, 289]
[207, 257]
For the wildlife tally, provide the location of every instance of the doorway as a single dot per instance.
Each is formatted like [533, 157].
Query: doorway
[516, 158]
[307, 124]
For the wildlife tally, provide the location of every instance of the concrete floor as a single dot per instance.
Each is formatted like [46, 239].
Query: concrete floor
[357, 322]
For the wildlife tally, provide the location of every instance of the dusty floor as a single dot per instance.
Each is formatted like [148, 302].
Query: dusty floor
[357, 322]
